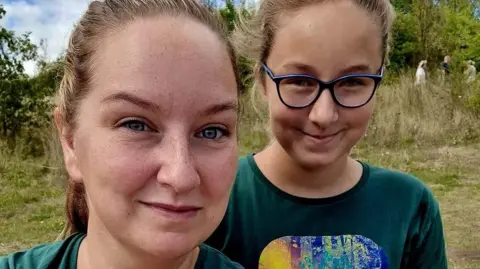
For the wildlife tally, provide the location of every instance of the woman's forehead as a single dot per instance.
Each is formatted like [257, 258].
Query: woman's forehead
[176, 66]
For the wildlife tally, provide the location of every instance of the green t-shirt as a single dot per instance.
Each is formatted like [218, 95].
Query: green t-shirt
[63, 255]
[388, 220]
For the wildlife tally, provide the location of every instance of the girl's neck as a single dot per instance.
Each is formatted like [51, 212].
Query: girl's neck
[101, 250]
[327, 181]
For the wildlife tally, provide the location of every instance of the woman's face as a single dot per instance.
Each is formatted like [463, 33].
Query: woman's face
[155, 142]
[317, 41]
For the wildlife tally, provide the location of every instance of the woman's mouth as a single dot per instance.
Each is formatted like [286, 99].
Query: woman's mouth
[174, 212]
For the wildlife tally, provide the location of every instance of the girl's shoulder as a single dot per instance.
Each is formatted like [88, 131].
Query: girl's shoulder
[395, 183]
[394, 176]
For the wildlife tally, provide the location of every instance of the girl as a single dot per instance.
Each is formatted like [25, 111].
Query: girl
[147, 116]
[303, 202]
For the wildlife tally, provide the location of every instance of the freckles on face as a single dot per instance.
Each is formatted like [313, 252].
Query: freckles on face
[163, 131]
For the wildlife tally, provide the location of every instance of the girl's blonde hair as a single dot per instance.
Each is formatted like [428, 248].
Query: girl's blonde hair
[100, 18]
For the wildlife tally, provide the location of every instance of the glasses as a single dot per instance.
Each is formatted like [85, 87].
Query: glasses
[350, 91]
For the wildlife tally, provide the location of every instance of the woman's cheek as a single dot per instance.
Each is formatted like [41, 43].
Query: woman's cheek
[218, 170]
[126, 167]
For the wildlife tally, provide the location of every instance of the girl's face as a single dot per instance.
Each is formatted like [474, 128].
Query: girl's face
[155, 141]
[326, 40]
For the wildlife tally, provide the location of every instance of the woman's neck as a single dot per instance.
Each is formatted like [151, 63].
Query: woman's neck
[327, 181]
[100, 250]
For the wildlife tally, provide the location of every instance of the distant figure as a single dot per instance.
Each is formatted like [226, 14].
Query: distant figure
[420, 76]
[445, 71]
[471, 71]
[446, 65]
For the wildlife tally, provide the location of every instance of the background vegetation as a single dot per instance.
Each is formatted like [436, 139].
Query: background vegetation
[432, 131]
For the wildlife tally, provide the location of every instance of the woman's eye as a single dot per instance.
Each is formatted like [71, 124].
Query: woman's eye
[136, 126]
[213, 133]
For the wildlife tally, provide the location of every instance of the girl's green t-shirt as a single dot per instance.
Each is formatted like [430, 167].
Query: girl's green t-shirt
[63, 255]
[388, 220]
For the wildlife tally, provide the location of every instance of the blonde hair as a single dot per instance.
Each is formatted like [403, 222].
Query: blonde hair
[100, 18]
[254, 37]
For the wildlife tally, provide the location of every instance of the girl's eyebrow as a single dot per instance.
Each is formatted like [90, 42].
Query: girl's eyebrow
[359, 68]
[308, 69]
[303, 68]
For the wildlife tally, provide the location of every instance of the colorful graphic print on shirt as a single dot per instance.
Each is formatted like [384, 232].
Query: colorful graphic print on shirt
[313, 252]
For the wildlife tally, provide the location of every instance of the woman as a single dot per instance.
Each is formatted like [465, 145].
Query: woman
[147, 116]
[420, 75]
[471, 72]
[303, 202]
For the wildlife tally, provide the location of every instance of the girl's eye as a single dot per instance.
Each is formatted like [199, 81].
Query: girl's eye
[353, 82]
[213, 133]
[136, 125]
[300, 82]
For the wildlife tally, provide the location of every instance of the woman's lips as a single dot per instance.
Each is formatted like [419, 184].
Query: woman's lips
[174, 212]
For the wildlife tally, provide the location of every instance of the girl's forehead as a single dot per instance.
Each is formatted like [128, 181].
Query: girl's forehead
[330, 22]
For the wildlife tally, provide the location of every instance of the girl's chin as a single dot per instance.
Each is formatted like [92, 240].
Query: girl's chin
[315, 160]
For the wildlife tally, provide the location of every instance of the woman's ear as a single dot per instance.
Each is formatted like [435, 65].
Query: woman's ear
[68, 147]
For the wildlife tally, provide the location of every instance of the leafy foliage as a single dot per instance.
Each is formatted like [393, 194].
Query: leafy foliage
[231, 14]
[27, 105]
[14, 50]
[431, 29]
[424, 29]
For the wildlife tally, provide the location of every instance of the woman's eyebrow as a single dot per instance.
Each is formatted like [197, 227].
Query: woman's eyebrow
[128, 97]
[230, 105]
[210, 110]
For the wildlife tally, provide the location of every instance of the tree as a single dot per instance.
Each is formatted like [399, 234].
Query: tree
[13, 51]
[15, 86]
[431, 29]
[230, 14]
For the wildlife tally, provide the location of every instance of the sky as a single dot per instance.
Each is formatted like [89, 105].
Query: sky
[51, 20]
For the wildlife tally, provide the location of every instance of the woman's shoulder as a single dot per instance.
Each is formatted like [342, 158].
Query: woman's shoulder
[212, 258]
[44, 255]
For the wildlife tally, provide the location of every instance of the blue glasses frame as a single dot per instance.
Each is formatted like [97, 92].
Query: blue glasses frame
[325, 85]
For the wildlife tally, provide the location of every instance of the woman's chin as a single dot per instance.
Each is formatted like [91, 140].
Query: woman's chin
[168, 245]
